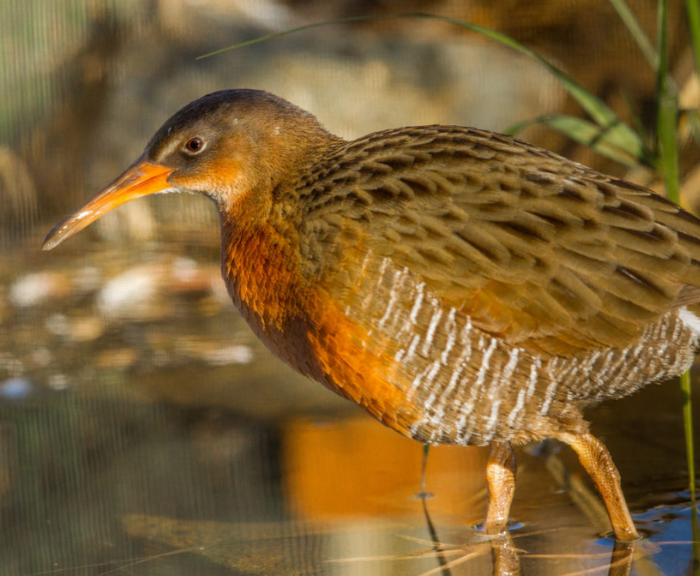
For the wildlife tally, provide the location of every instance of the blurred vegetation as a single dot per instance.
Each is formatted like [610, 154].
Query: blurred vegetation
[64, 63]
[87, 81]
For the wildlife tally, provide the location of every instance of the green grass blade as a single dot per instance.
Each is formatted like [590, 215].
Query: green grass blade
[586, 133]
[666, 126]
[693, 10]
[667, 112]
[600, 112]
[695, 535]
[667, 133]
[688, 427]
[632, 24]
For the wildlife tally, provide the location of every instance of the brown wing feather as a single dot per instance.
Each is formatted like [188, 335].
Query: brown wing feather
[536, 249]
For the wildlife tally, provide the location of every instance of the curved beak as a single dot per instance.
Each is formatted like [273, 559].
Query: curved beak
[141, 179]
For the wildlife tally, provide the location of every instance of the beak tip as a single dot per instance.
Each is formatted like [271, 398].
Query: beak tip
[141, 179]
[53, 238]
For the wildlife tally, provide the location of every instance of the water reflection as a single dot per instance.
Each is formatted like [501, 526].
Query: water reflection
[165, 440]
[346, 469]
[94, 485]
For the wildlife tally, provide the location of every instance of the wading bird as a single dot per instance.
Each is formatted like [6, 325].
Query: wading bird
[462, 286]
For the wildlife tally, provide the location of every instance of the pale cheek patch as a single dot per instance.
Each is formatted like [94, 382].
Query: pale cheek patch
[690, 320]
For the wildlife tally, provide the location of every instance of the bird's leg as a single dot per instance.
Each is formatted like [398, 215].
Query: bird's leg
[505, 557]
[500, 479]
[596, 459]
[424, 467]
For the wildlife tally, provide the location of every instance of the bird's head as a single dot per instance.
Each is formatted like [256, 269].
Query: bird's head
[234, 146]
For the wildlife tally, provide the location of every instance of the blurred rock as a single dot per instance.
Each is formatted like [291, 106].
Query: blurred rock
[230, 355]
[38, 288]
[58, 382]
[131, 294]
[188, 276]
[42, 356]
[86, 329]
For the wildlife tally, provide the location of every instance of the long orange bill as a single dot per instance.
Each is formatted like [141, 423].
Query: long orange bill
[141, 179]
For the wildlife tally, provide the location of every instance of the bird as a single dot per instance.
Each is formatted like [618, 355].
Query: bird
[462, 286]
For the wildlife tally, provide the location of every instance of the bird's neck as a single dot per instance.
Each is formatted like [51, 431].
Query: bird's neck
[260, 240]
[259, 268]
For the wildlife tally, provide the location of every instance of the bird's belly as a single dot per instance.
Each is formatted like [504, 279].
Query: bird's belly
[428, 371]
[455, 385]
[470, 388]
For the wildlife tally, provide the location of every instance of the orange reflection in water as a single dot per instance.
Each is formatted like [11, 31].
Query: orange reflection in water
[358, 468]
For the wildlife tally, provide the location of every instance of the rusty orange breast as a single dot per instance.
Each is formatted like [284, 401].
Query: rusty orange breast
[304, 326]
[353, 363]
[259, 270]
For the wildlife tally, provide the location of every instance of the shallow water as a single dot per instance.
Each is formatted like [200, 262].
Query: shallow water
[148, 432]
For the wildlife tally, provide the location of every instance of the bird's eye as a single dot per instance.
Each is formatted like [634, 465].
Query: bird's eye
[194, 145]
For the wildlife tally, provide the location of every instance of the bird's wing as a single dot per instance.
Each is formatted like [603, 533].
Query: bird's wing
[534, 248]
